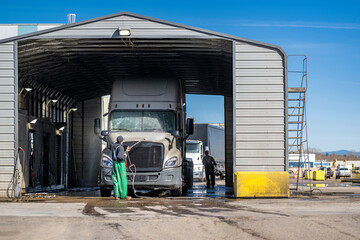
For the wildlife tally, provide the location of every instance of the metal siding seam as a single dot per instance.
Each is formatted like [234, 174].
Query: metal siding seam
[286, 153]
[234, 109]
[16, 98]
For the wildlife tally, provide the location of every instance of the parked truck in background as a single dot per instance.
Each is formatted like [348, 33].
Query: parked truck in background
[211, 137]
[150, 113]
[195, 152]
[343, 171]
[328, 172]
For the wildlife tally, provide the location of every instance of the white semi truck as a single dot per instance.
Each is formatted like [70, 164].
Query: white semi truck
[195, 152]
[150, 113]
[211, 137]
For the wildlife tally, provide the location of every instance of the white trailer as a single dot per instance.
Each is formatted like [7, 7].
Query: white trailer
[212, 138]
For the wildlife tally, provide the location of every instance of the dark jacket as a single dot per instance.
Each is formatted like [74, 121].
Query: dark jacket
[208, 161]
[118, 152]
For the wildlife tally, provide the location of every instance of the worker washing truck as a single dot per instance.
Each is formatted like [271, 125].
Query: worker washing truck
[195, 151]
[150, 114]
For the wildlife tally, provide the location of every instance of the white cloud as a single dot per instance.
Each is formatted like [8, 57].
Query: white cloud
[350, 82]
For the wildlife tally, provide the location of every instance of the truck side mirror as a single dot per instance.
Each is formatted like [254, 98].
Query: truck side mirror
[97, 126]
[104, 133]
[175, 134]
[189, 126]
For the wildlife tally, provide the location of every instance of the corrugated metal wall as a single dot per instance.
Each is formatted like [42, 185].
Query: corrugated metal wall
[139, 28]
[87, 145]
[7, 114]
[260, 109]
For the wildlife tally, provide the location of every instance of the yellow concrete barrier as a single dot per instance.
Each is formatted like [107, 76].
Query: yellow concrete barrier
[261, 184]
[319, 175]
[308, 175]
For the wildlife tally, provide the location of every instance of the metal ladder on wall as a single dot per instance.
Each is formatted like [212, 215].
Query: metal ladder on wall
[297, 125]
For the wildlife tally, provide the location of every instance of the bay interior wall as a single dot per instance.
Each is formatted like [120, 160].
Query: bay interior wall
[87, 146]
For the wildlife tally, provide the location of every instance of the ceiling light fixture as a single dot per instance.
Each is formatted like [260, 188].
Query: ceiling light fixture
[124, 32]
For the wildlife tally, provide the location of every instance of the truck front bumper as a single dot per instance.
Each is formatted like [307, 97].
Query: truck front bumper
[198, 172]
[199, 175]
[344, 175]
[167, 179]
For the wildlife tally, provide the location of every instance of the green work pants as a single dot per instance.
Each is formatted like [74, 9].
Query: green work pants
[120, 180]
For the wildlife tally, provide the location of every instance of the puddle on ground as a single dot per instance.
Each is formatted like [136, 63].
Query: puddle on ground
[354, 196]
[220, 191]
[322, 185]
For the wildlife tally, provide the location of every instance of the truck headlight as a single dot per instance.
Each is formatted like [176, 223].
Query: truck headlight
[106, 161]
[171, 162]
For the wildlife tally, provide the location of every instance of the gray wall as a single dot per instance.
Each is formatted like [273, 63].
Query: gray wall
[139, 28]
[87, 145]
[260, 109]
[7, 114]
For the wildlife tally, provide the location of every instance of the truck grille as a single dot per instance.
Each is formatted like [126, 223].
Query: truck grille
[146, 156]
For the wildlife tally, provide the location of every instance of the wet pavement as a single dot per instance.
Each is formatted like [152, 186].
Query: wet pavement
[200, 214]
[220, 191]
[199, 190]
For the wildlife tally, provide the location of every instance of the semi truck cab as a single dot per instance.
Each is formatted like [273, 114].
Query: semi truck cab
[150, 113]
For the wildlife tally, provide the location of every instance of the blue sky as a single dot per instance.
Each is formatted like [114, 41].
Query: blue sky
[328, 32]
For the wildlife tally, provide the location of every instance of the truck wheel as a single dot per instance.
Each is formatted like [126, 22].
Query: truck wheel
[105, 192]
[176, 192]
[185, 189]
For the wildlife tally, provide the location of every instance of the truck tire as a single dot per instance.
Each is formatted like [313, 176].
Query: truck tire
[185, 189]
[176, 192]
[105, 192]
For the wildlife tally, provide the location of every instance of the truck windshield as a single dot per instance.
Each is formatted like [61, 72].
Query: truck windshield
[142, 121]
[192, 148]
